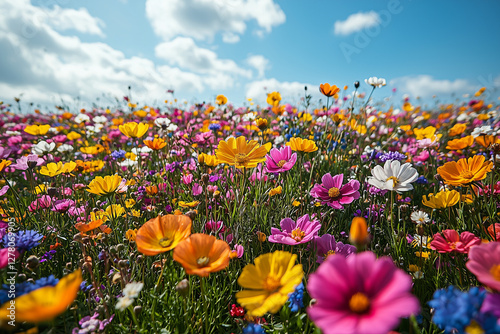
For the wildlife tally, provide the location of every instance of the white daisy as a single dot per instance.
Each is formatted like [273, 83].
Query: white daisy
[123, 303]
[375, 82]
[132, 289]
[393, 176]
[420, 217]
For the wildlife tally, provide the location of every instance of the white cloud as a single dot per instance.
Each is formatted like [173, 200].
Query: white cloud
[80, 20]
[260, 63]
[356, 22]
[203, 19]
[427, 86]
[291, 92]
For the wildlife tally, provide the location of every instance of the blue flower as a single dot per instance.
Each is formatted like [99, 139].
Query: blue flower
[392, 156]
[26, 287]
[215, 126]
[254, 329]
[422, 180]
[23, 240]
[120, 154]
[296, 298]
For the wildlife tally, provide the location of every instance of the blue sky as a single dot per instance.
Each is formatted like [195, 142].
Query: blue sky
[61, 49]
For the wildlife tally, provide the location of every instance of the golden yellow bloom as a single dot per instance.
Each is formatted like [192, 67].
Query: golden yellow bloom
[302, 145]
[261, 236]
[268, 282]
[295, 202]
[460, 143]
[328, 90]
[155, 144]
[192, 204]
[102, 186]
[423, 255]
[442, 199]
[140, 113]
[41, 188]
[89, 166]
[37, 130]
[129, 203]
[428, 132]
[163, 233]
[486, 140]
[359, 231]
[480, 91]
[113, 211]
[4, 163]
[73, 135]
[274, 99]
[131, 234]
[275, 191]
[261, 123]
[221, 100]
[465, 171]
[45, 303]
[52, 169]
[92, 149]
[134, 130]
[207, 159]
[68, 167]
[457, 129]
[240, 153]
[408, 107]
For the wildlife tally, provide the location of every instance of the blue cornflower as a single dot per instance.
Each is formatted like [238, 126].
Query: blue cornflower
[253, 329]
[120, 154]
[26, 287]
[24, 240]
[296, 298]
[214, 127]
[392, 156]
[422, 180]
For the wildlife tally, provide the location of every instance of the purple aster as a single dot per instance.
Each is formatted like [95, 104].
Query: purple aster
[282, 160]
[22, 240]
[326, 246]
[29, 161]
[294, 233]
[392, 156]
[333, 193]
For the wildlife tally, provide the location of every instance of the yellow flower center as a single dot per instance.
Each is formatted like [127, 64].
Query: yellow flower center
[467, 174]
[359, 303]
[330, 252]
[281, 163]
[333, 192]
[298, 234]
[165, 242]
[394, 179]
[271, 284]
[495, 271]
[474, 328]
[202, 261]
[240, 158]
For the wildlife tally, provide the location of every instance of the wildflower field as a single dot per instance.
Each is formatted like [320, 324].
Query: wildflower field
[345, 215]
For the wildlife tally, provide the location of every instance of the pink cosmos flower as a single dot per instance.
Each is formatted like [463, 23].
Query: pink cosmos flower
[197, 189]
[484, 262]
[41, 203]
[326, 246]
[280, 160]
[23, 163]
[449, 241]
[4, 190]
[187, 178]
[360, 295]
[295, 233]
[238, 251]
[333, 193]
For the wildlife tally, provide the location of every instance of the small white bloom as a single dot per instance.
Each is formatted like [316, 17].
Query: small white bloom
[94, 129]
[132, 289]
[128, 163]
[123, 303]
[65, 148]
[12, 133]
[482, 130]
[419, 217]
[162, 122]
[143, 149]
[81, 118]
[393, 176]
[375, 82]
[248, 117]
[43, 147]
[53, 130]
[100, 119]
[172, 127]
[278, 140]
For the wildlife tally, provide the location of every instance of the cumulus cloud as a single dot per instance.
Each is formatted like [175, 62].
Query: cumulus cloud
[203, 19]
[356, 22]
[79, 20]
[427, 86]
[290, 91]
[259, 63]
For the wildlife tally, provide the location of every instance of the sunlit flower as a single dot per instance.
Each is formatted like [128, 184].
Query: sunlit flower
[302, 145]
[274, 99]
[333, 193]
[486, 141]
[192, 204]
[419, 217]
[37, 130]
[133, 129]
[293, 233]
[275, 191]
[448, 241]
[207, 159]
[4, 163]
[268, 282]
[328, 90]
[423, 133]
[202, 254]
[162, 234]
[360, 294]
[484, 262]
[103, 186]
[465, 171]
[358, 233]
[221, 100]
[460, 143]
[393, 176]
[375, 82]
[442, 199]
[457, 129]
[280, 160]
[43, 147]
[241, 153]
[155, 144]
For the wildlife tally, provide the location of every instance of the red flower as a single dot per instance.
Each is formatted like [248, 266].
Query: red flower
[449, 241]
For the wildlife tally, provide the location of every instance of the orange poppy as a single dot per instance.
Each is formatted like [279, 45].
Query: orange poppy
[465, 171]
[328, 90]
[202, 254]
[163, 233]
[155, 144]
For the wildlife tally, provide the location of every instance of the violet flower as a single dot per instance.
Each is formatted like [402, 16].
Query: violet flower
[326, 246]
[32, 160]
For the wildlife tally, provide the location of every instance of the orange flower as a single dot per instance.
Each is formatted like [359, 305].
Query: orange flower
[274, 99]
[152, 190]
[486, 140]
[328, 90]
[460, 143]
[202, 254]
[302, 145]
[465, 171]
[359, 231]
[155, 144]
[221, 100]
[98, 223]
[457, 129]
[162, 234]
[4, 163]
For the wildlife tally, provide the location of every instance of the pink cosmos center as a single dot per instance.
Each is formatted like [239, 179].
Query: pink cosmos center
[281, 163]
[495, 271]
[333, 192]
[297, 234]
[359, 303]
[327, 254]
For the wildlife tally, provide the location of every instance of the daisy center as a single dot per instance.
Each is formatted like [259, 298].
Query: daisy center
[202, 261]
[271, 284]
[281, 163]
[298, 234]
[495, 271]
[165, 242]
[240, 158]
[333, 192]
[359, 303]
[467, 174]
[394, 179]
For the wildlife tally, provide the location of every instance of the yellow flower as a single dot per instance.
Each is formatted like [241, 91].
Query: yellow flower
[275, 191]
[52, 169]
[408, 107]
[68, 167]
[221, 100]
[457, 129]
[240, 153]
[274, 99]
[442, 199]
[133, 129]
[131, 234]
[192, 204]
[295, 203]
[129, 203]
[45, 303]
[261, 123]
[261, 236]
[465, 171]
[114, 211]
[104, 185]
[73, 135]
[269, 282]
[155, 144]
[41, 188]
[428, 132]
[486, 140]
[37, 130]
[4, 163]
[423, 255]
[302, 145]
[92, 149]
[207, 159]
[460, 143]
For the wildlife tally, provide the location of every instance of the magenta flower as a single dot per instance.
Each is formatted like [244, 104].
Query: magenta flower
[326, 245]
[484, 262]
[360, 295]
[333, 193]
[4, 257]
[41, 203]
[62, 205]
[32, 160]
[448, 241]
[282, 160]
[295, 233]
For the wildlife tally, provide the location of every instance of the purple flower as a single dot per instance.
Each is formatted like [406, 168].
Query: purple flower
[392, 156]
[32, 160]
[333, 193]
[295, 233]
[92, 324]
[282, 160]
[4, 152]
[326, 246]
[63, 205]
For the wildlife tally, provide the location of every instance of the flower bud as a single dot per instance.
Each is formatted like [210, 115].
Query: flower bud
[191, 214]
[356, 84]
[182, 287]
[359, 232]
[137, 309]
[32, 262]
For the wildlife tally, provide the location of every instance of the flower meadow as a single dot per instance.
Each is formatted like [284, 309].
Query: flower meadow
[347, 216]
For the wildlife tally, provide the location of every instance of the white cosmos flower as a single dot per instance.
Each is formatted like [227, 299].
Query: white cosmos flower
[172, 127]
[162, 122]
[81, 118]
[64, 148]
[140, 150]
[375, 82]
[482, 130]
[123, 303]
[393, 176]
[132, 289]
[100, 119]
[43, 147]
[419, 217]
[12, 133]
